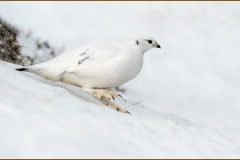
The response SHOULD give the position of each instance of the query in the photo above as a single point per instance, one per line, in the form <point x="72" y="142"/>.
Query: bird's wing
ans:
<point x="93" y="54"/>
<point x="77" y="59"/>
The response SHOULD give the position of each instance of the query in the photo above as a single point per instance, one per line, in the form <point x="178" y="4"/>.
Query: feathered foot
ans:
<point x="100" y="93"/>
<point x="104" y="96"/>
<point x="107" y="102"/>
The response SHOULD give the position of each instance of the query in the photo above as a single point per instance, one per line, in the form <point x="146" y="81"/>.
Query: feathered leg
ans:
<point x="104" y="96"/>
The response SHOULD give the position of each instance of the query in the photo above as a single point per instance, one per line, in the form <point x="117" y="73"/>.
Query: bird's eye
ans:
<point x="149" y="41"/>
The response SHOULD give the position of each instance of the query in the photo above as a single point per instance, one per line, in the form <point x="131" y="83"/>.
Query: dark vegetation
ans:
<point x="11" y="48"/>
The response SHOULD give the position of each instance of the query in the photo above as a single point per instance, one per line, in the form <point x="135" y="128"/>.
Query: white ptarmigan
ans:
<point x="96" y="68"/>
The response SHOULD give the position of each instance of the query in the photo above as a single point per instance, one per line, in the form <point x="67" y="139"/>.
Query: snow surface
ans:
<point x="188" y="92"/>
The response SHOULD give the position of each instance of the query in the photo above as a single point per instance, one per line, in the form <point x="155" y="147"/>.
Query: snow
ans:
<point x="188" y="92"/>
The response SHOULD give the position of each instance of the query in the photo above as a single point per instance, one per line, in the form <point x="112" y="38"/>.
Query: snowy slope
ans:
<point x="39" y="119"/>
<point x="189" y="92"/>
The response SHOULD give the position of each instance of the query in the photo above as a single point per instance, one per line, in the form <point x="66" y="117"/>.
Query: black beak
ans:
<point x="158" y="46"/>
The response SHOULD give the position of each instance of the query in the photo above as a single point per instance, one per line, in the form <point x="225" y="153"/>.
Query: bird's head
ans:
<point x="145" y="42"/>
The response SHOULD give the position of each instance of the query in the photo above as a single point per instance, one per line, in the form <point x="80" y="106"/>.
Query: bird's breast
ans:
<point x="120" y="71"/>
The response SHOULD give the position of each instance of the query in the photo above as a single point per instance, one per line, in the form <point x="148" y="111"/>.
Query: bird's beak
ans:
<point x="156" y="45"/>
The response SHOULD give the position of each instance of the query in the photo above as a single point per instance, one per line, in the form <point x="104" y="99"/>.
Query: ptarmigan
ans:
<point x="97" y="68"/>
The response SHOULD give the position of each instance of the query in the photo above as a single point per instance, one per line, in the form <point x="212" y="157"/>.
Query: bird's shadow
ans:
<point x="73" y="90"/>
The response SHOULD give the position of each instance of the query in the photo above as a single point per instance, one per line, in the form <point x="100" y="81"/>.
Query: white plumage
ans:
<point x="99" y="66"/>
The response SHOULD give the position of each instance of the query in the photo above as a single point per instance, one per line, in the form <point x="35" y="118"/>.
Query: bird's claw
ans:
<point x="128" y="112"/>
<point x="122" y="110"/>
<point x="119" y="95"/>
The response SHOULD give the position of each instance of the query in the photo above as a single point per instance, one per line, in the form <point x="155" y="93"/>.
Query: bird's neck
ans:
<point x="135" y="47"/>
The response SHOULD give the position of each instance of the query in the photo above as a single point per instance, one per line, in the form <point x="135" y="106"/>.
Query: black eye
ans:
<point x="149" y="41"/>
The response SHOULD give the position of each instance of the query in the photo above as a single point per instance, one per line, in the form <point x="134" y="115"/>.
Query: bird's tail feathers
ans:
<point x="32" y="68"/>
<point x="22" y="69"/>
<point x="38" y="70"/>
